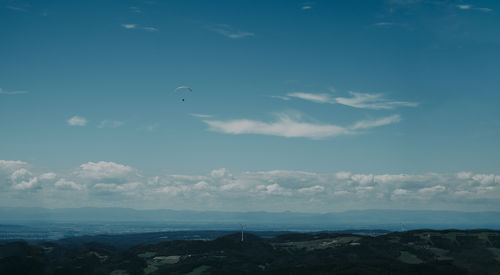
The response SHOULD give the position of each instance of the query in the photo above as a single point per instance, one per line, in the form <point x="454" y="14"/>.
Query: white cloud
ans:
<point x="135" y="9"/>
<point x="3" y="92"/>
<point x="403" y="2"/>
<point x="77" y="121"/>
<point x="400" y="192"/>
<point x="18" y="8"/>
<point x="11" y="164"/>
<point x="137" y="27"/>
<point x="484" y="179"/>
<point x="218" y="173"/>
<point x="464" y="175"/>
<point x="428" y="192"/>
<point x="110" y="124"/>
<point x="68" y="185"/>
<point x="372" y="101"/>
<point x="286" y="98"/>
<point x="129" y="26"/>
<point x="104" y="170"/>
<point x="470" y="7"/>
<point x="149" y="128"/>
<point x="312" y="190"/>
<point x="202" y="185"/>
<point x="343" y="175"/>
<point x="22" y="179"/>
<point x="275" y="190"/>
<point x="383" y="24"/>
<point x="318" y="98"/>
<point x="357" y="100"/>
<point x="366" y="124"/>
<point x="284" y="126"/>
<point x="293" y="127"/>
<point x="306" y="7"/>
<point x="116" y="188"/>
<point x="48" y="176"/>
<point x="230" y="32"/>
<point x="201" y="115"/>
<point x="484" y="9"/>
<point x="150" y="29"/>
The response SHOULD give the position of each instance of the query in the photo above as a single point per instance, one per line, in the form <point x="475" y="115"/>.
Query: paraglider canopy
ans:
<point x="183" y="88"/>
<point x="183" y="91"/>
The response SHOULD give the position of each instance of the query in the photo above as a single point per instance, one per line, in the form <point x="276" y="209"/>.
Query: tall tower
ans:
<point x="242" y="226"/>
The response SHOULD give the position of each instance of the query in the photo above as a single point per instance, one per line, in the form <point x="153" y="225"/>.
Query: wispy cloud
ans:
<point x="3" y="92"/>
<point x="383" y="24"/>
<point x="149" y="128"/>
<point x="150" y="29"/>
<point x="229" y="31"/>
<point x="471" y="7"/>
<point x="318" y="98"/>
<point x="17" y="8"/>
<point x="357" y="100"/>
<point x="403" y="2"/>
<point x="201" y="115"/>
<point x="372" y="101"/>
<point x="110" y="124"/>
<point x="307" y="6"/>
<point x="137" y="27"/>
<point x="129" y="26"/>
<point x="366" y="124"/>
<point x="135" y="9"/>
<point x="294" y="127"/>
<point x="282" y="97"/>
<point x="77" y="121"/>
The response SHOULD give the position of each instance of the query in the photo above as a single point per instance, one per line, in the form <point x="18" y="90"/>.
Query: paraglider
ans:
<point x="183" y="91"/>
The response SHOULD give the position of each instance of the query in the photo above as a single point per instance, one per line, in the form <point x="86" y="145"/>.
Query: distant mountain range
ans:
<point x="380" y="219"/>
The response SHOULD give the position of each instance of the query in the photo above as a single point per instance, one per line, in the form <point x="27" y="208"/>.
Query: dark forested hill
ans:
<point x="411" y="252"/>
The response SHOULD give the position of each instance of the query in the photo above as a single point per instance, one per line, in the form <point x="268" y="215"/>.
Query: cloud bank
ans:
<point x="105" y="183"/>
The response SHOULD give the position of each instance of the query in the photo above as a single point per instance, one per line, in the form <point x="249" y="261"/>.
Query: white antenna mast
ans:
<point x="242" y="227"/>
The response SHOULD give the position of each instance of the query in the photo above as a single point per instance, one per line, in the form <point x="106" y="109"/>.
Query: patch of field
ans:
<point x="320" y="243"/>
<point x="150" y="269"/>
<point x="409" y="258"/>
<point x="496" y="252"/>
<point x="426" y="237"/>
<point x="157" y="261"/>
<point x="452" y="236"/>
<point x="484" y="236"/>
<point x="395" y="239"/>
<point x="119" y="272"/>
<point x="161" y="260"/>
<point x="199" y="270"/>
<point x="349" y="239"/>
<point x="147" y="254"/>
<point x="441" y="254"/>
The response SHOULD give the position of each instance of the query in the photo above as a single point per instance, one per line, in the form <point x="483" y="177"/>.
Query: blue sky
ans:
<point x="396" y="87"/>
